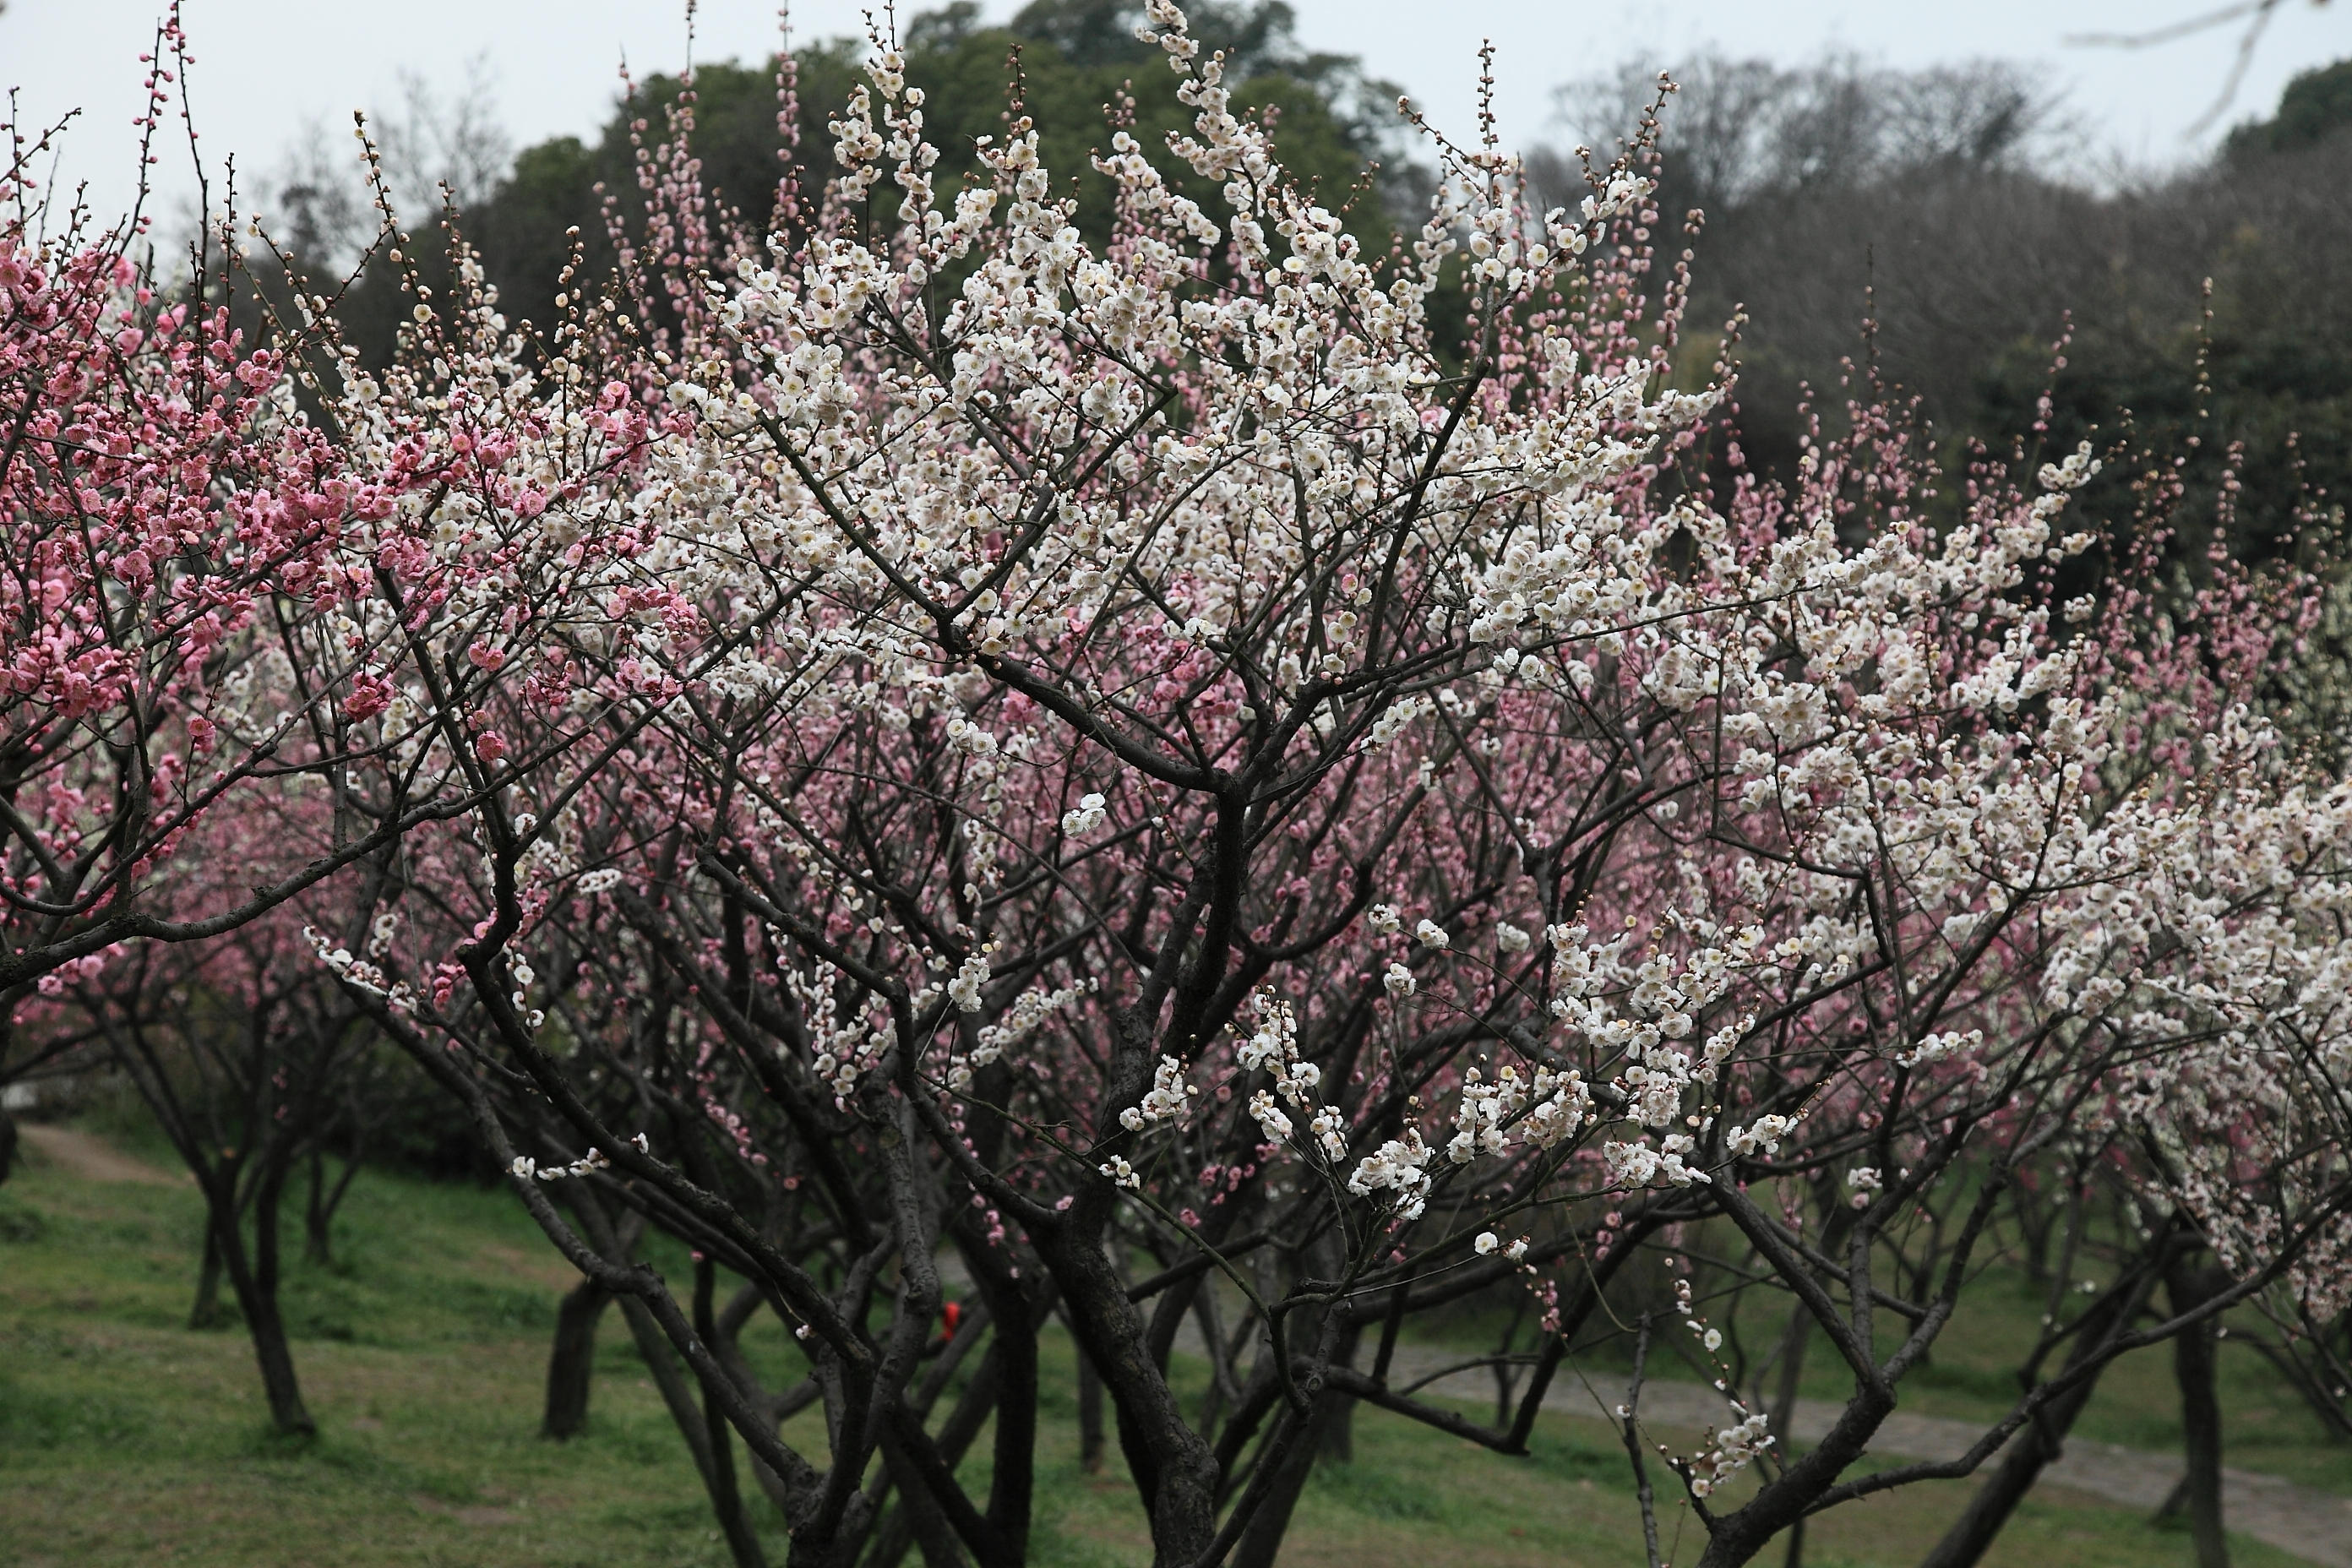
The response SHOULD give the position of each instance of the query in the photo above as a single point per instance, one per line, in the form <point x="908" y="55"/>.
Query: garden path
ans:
<point x="92" y="1158"/>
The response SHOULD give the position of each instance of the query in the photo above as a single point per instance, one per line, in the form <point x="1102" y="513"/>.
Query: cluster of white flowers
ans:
<point x="397" y="994"/>
<point x="1764" y="1133"/>
<point x="1271" y="1122"/>
<point x="1273" y="1048"/>
<point x="1398" y="719"/>
<point x="1485" y="1106"/>
<point x="1089" y="814"/>
<point x="1163" y="1101"/>
<point x="1636" y="1165"/>
<point x="1736" y="1448"/>
<point x="588" y="1164"/>
<point x="1563" y="1106"/>
<point x="970" y="975"/>
<point x="1933" y="1047"/>
<point x="850" y="1052"/>
<point x="1029" y="1012"/>
<point x="1400" y="1166"/>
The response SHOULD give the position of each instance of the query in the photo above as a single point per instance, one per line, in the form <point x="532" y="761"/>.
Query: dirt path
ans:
<point x="2316" y="1526"/>
<point x="92" y="1160"/>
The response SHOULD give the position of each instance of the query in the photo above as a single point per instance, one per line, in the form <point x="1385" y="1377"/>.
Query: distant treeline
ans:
<point x="1949" y="208"/>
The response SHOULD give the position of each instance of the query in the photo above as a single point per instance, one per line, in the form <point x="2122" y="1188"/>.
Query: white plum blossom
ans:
<point x="1398" y="1166"/>
<point x="1165" y="1100"/>
<point x="1088" y="815"/>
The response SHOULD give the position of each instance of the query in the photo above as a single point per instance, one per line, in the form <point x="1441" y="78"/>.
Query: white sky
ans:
<point x="266" y="69"/>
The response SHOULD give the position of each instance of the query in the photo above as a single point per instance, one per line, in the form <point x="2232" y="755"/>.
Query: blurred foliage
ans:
<point x="2315" y="105"/>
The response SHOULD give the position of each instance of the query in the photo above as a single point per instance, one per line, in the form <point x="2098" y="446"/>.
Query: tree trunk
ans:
<point x="1174" y="1470"/>
<point x="257" y="1296"/>
<point x="325" y="1199"/>
<point x="205" y="1313"/>
<point x="897" y="1533"/>
<point x="1793" y="1345"/>
<point x="572" y="1363"/>
<point x="268" y="1191"/>
<point x="917" y="1521"/>
<point x="726" y="1498"/>
<point x="2035" y="1447"/>
<point x="1262" y="1537"/>
<point x="2193" y="1365"/>
<point x="316" y="1243"/>
<point x="1090" y="1421"/>
<point x="1338" y="1442"/>
<point x="7" y="1144"/>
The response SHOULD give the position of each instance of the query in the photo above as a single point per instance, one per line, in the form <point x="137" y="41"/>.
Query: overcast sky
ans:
<point x="267" y="68"/>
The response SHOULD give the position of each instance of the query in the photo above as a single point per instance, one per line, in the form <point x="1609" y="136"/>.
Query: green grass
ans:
<point x="125" y="1438"/>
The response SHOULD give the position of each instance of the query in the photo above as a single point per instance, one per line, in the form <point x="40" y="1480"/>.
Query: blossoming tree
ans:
<point x="1237" y="751"/>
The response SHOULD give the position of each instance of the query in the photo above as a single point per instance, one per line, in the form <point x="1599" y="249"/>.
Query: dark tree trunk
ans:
<point x="618" y="1245"/>
<point x="2036" y="1221"/>
<point x="7" y="1144"/>
<point x="1794" y="1344"/>
<point x="917" y="1521"/>
<point x="205" y="1312"/>
<point x="2193" y="1365"/>
<point x="317" y="1244"/>
<point x="571" y="1361"/>
<point x="1012" y="1321"/>
<point x="955" y="1438"/>
<point x="255" y="1285"/>
<point x="726" y="1497"/>
<point x="2036" y="1446"/>
<point x="1090" y="1415"/>
<point x="571" y="1364"/>
<point x="267" y="1192"/>
<point x="1174" y="1470"/>
<point x="1338" y="1442"/>
<point x="1262" y="1538"/>
<point x="325" y="1198"/>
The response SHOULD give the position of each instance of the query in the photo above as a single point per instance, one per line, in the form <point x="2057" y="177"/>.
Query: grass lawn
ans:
<point x="125" y="1438"/>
